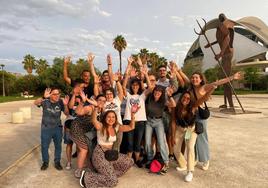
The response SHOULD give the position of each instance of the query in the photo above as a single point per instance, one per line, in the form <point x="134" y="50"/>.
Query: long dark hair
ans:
<point x="105" y="125"/>
<point x="135" y="80"/>
<point x="162" y="98"/>
<point x="179" y="108"/>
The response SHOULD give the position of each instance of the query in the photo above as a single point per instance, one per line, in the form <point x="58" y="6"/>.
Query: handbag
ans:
<point x="199" y="127"/>
<point x="204" y="113"/>
<point x="111" y="155"/>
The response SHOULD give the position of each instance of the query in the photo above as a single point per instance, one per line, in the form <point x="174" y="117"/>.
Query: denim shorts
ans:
<point x="67" y="138"/>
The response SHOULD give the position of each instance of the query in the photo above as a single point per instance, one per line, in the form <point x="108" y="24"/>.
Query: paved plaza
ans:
<point x="238" y="148"/>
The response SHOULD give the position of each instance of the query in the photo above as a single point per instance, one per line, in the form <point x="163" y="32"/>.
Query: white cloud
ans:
<point x="156" y="41"/>
<point x="102" y="12"/>
<point x="177" y="20"/>
<point x="143" y="39"/>
<point x="181" y="44"/>
<point x="34" y="8"/>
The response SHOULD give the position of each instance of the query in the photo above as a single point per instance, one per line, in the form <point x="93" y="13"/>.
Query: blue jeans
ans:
<point x="46" y="136"/>
<point x="134" y="137"/>
<point x="158" y="126"/>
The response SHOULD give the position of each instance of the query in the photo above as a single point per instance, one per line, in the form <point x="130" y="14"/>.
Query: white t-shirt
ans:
<point x="137" y="100"/>
<point x="115" y="106"/>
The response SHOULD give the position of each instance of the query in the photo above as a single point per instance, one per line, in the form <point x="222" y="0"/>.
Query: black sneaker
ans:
<point x="74" y="155"/>
<point x="44" y="166"/>
<point x="139" y="163"/>
<point x="58" y="166"/>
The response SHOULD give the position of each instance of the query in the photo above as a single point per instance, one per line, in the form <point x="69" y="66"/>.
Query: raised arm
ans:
<point x="170" y="100"/>
<point x="204" y="98"/>
<point x="118" y="87"/>
<point x="39" y="101"/>
<point x="83" y="110"/>
<point x="76" y="92"/>
<point x="183" y="75"/>
<point x="210" y="44"/>
<point x="96" y="123"/>
<point x="150" y="88"/>
<point x="110" y="68"/>
<point x="236" y="76"/>
<point x="174" y="70"/>
<point x="131" y="126"/>
<point x="96" y="88"/>
<point x="127" y="72"/>
<point x="65" y="104"/>
<point x="90" y="59"/>
<point x="66" y="78"/>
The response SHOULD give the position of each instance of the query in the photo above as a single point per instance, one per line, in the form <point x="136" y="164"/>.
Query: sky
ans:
<point x="56" y="28"/>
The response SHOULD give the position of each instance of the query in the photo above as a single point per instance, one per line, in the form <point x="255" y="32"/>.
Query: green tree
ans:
<point x="28" y="83"/>
<point x="41" y="66"/>
<point x="29" y="63"/>
<point x="120" y="44"/>
<point x="251" y="76"/>
<point x="211" y="74"/>
<point x="10" y="80"/>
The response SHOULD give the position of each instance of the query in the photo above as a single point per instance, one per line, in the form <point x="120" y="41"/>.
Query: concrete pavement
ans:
<point x="238" y="144"/>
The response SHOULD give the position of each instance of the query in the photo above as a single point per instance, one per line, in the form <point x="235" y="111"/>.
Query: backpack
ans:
<point x="156" y="166"/>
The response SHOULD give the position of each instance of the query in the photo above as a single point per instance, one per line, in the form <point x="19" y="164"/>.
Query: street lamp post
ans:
<point x="3" y="79"/>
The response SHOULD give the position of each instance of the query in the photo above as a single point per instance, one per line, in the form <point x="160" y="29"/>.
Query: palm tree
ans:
<point x="120" y="44"/>
<point x="41" y="66"/>
<point x="29" y="63"/>
<point x="144" y="54"/>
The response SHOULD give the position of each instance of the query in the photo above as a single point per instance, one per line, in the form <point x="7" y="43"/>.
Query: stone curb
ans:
<point x="19" y="160"/>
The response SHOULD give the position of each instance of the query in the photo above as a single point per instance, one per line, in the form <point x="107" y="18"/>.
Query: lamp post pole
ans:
<point x="3" y="79"/>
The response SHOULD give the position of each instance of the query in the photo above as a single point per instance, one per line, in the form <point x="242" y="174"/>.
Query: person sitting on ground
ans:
<point x="51" y="127"/>
<point x="107" y="171"/>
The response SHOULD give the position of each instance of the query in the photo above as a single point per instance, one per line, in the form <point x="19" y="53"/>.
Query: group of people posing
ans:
<point x="116" y="120"/>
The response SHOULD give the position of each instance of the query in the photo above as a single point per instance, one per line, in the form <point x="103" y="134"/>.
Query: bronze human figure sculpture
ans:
<point x="225" y="37"/>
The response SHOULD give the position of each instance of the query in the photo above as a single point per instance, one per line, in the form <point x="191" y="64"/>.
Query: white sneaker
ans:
<point x="205" y="165"/>
<point x="82" y="183"/>
<point x="180" y="169"/>
<point x="77" y="173"/>
<point x="68" y="166"/>
<point x="189" y="177"/>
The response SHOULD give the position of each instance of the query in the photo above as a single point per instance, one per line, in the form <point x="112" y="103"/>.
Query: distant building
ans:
<point x="250" y="46"/>
<point x="16" y="74"/>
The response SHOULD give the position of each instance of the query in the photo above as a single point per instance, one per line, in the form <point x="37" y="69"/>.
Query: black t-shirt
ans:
<point x="89" y="90"/>
<point x="154" y="108"/>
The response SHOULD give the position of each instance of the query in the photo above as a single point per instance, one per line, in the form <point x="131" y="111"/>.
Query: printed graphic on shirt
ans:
<point x="133" y="101"/>
<point x="111" y="106"/>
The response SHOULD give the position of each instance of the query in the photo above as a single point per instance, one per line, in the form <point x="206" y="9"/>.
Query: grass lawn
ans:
<point x="14" y="98"/>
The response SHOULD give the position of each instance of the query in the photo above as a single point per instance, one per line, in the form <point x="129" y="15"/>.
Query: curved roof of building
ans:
<point x="253" y="24"/>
